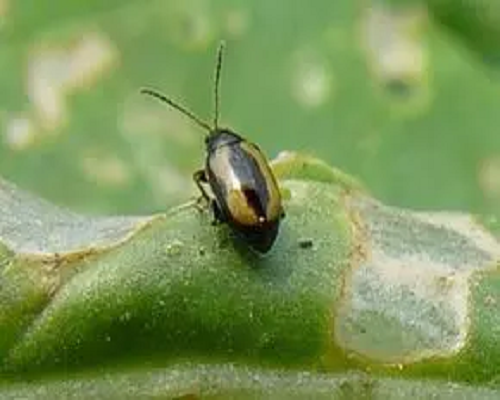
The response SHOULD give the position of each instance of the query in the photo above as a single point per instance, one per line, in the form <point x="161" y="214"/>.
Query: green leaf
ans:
<point x="372" y="87"/>
<point x="153" y="304"/>
<point x="475" y="22"/>
<point x="386" y="303"/>
<point x="236" y="382"/>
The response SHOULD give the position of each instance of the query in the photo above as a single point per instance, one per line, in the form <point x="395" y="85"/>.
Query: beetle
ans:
<point x="245" y="191"/>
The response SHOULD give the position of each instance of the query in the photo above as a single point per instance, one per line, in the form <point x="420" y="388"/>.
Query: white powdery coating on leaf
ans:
<point x="32" y="226"/>
<point x="301" y="191"/>
<point x="467" y="226"/>
<point x="408" y="298"/>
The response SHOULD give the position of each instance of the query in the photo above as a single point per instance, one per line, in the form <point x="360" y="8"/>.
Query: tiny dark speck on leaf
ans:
<point x="306" y="244"/>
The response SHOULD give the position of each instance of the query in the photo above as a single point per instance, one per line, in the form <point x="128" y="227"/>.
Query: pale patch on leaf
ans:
<point x="191" y="381"/>
<point x="150" y="130"/>
<point x="31" y="226"/>
<point x="489" y="177"/>
<point x="107" y="169"/>
<point x="190" y="23"/>
<point x="151" y="124"/>
<point x="20" y="132"/>
<point x="45" y="71"/>
<point x="167" y="181"/>
<point x="412" y="280"/>
<point x="4" y="10"/>
<point x="237" y="22"/>
<point x="311" y="81"/>
<point x="89" y="59"/>
<point x="392" y="39"/>
<point x="55" y="71"/>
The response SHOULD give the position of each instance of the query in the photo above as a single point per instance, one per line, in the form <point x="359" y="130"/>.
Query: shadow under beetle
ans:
<point x="246" y="193"/>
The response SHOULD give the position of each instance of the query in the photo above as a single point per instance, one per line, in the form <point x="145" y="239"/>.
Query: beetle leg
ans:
<point x="218" y="216"/>
<point x="200" y="204"/>
<point x="199" y="178"/>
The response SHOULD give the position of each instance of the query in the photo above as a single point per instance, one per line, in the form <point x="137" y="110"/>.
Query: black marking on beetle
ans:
<point x="253" y="199"/>
<point x="249" y="165"/>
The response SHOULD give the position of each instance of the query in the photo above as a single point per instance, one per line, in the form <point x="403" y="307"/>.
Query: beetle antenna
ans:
<point x="178" y="107"/>
<point x="218" y="68"/>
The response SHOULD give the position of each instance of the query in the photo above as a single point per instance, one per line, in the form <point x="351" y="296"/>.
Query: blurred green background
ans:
<point x="402" y="94"/>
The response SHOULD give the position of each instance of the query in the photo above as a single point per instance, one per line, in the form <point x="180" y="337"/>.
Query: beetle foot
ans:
<point x="217" y="213"/>
<point x="201" y="204"/>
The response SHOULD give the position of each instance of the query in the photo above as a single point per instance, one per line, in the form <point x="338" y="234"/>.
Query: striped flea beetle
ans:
<point x="246" y="195"/>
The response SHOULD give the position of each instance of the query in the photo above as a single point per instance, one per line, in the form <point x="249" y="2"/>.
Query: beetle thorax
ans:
<point x="221" y="137"/>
